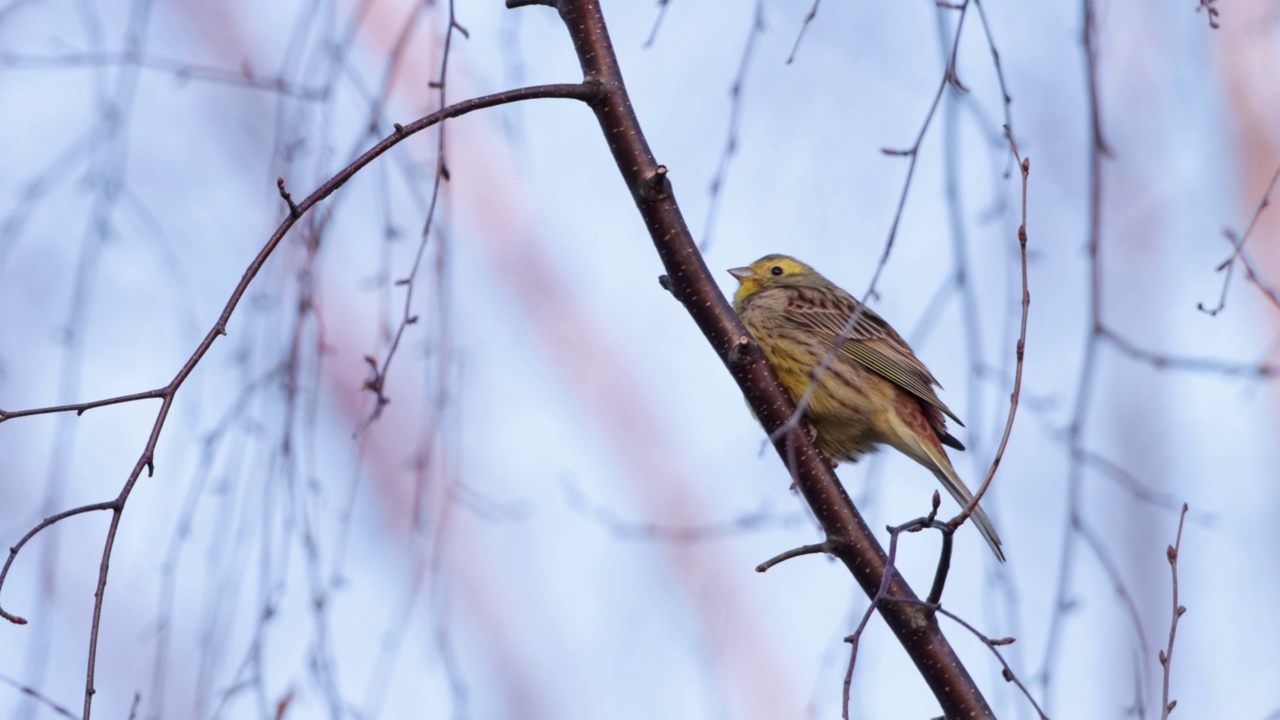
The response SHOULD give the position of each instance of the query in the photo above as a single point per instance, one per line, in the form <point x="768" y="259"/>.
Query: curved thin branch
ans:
<point x="1024" y="165"/>
<point x="587" y="92"/>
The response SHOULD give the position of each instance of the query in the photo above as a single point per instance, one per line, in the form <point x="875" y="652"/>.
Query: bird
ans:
<point x="874" y="391"/>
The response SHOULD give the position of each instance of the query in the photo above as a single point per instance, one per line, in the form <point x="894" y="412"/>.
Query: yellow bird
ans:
<point x="873" y="392"/>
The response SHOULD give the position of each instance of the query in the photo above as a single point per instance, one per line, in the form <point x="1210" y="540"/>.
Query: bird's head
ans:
<point x="768" y="271"/>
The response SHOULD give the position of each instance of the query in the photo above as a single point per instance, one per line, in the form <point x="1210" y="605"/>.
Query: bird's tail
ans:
<point x="932" y="456"/>
<point x="947" y="476"/>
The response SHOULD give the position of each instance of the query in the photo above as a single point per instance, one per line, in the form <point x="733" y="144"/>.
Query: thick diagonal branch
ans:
<point x="691" y="282"/>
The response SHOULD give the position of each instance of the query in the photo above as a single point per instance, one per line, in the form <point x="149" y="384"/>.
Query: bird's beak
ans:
<point x="742" y="273"/>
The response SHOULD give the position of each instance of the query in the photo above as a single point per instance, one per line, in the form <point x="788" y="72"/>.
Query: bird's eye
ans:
<point x="777" y="270"/>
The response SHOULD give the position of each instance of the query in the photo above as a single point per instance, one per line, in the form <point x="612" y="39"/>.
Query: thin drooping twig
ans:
<point x="692" y="284"/>
<point x="577" y="91"/>
<point x="1228" y="266"/>
<point x="376" y="384"/>
<point x="1166" y="655"/>
<point x="1024" y="165"/>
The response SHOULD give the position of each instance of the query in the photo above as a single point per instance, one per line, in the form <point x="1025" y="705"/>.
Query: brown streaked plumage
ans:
<point x="874" y="391"/>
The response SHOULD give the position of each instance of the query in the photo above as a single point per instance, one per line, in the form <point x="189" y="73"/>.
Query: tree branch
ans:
<point x="1166" y="655"/>
<point x="691" y="282"/>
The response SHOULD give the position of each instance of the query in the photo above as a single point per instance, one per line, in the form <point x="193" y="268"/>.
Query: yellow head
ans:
<point x="767" y="271"/>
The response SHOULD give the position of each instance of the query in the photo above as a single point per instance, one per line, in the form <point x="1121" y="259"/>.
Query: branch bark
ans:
<point x="691" y="282"/>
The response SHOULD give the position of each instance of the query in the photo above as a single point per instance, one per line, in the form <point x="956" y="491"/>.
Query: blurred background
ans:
<point x="559" y="512"/>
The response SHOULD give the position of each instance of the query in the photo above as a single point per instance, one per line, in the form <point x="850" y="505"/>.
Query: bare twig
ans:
<point x="39" y="697"/>
<point x="181" y="70"/>
<point x="1165" y="361"/>
<point x="1228" y="266"/>
<point x="657" y="23"/>
<point x="814" y="549"/>
<point x="882" y="593"/>
<point x="808" y="18"/>
<point x="1024" y="165"/>
<point x="1212" y="11"/>
<point x="993" y="644"/>
<point x="626" y="530"/>
<point x="376" y="384"/>
<point x="933" y="604"/>
<point x="1166" y="655"/>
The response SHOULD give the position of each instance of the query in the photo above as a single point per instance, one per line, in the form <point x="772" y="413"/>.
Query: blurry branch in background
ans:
<point x="735" y="116"/>
<point x="657" y="22"/>
<point x="1101" y="335"/>
<point x="180" y="70"/>
<point x="39" y="697"/>
<point x="804" y="25"/>
<point x="622" y="529"/>
<point x="1207" y="5"/>
<point x="1237" y="253"/>
<point x="1137" y="488"/>
<point x="166" y="394"/>
<point x="1088" y="366"/>
<point x="690" y="281"/>
<point x="1166" y="655"/>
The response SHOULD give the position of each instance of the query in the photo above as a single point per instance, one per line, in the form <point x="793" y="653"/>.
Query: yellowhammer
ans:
<point x="874" y="391"/>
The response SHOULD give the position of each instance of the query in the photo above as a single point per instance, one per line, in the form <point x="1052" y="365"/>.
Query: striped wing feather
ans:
<point x="871" y="342"/>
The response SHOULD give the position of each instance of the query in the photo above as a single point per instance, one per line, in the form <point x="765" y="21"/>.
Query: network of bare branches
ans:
<point x="288" y="549"/>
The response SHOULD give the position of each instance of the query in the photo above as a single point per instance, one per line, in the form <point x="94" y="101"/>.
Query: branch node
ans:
<point x="743" y="351"/>
<point x="293" y="207"/>
<point x="656" y="186"/>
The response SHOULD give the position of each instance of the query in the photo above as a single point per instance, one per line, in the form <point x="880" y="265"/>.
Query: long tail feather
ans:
<point x="946" y="474"/>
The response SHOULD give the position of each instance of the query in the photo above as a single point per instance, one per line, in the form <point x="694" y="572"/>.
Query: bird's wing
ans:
<point x="871" y="342"/>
